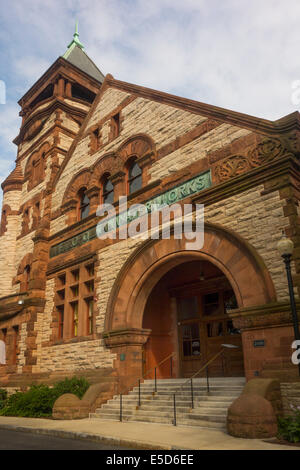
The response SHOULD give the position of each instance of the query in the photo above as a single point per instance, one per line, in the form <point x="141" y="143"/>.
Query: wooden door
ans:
<point x="189" y="334"/>
<point x="219" y="330"/>
<point x="203" y="327"/>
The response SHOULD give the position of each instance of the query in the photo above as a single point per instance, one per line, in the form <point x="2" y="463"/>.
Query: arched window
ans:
<point x="84" y="204"/>
<point x="107" y="190"/>
<point x="134" y="176"/>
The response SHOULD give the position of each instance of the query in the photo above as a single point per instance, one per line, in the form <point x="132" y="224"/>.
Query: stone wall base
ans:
<point x="290" y="393"/>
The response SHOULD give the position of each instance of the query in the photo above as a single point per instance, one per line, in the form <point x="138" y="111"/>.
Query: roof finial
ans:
<point x="75" y="40"/>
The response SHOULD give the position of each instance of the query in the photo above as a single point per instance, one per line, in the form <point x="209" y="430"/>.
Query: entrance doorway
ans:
<point x="187" y="312"/>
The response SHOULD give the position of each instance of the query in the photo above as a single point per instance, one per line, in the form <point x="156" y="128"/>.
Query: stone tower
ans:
<point x="52" y="112"/>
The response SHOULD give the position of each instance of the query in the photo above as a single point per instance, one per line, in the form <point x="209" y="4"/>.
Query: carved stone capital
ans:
<point x="146" y="160"/>
<point x="126" y="337"/>
<point x="117" y="177"/>
<point x="69" y="205"/>
<point x="263" y="316"/>
<point x="92" y="192"/>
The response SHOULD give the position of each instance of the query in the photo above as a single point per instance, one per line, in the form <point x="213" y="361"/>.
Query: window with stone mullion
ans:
<point x="134" y="177"/>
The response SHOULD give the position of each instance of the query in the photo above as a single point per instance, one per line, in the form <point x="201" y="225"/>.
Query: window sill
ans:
<point x="78" y="339"/>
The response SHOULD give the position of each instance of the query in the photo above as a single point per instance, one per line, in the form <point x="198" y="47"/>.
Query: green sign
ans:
<point x="174" y="195"/>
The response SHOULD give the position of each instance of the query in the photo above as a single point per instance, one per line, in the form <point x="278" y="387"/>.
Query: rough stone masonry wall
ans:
<point x="8" y="244"/>
<point x="24" y="146"/>
<point x="69" y="357"/>
<point x="196" y="150"/>
<point x="161" y="122"/>
<point x="22" y="347"/>
<point x="290" y="393"/>
<point x="90" y="354"/>
<point x="259" y="219"/>
<point x="111" y="260"/>
<point x="7" y="256"/>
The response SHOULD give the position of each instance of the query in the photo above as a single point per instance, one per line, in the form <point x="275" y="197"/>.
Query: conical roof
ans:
<point x="76" y="56"/>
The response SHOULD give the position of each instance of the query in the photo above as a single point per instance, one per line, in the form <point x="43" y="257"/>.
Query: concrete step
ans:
<point x="210" y="408"/>
<point x="151" y="388"/>
<point x="209" y="417"/>
<point x="217" y="380"/>
<point x="158" y="405"/>
<point x="180" y="421"/>
<point x="186" y="395"/>
<point x="183" y="420"/>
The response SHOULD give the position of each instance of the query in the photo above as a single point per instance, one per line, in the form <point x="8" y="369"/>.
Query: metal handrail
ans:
<point x="138" y="382"/>
<point x="148" y="372"/>
<point x="190" y="379"/>
<point x="203" y="367"/>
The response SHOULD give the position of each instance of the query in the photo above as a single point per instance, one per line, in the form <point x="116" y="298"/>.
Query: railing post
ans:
<point x="139" y="392"/>
<point x="223" y="363"/>
<point x="174" y="403"/>
<point x="207" y="379"/>
<point x="192" y="393"/>
<point x="121" y="407"/>
<point x="155" y="384"/>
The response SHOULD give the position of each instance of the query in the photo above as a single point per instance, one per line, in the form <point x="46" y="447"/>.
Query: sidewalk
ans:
<point x="138" y="435"/>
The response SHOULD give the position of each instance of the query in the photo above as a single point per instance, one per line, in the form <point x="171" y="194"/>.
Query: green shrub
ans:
<point x="289" y="427"/>
<point x="75" y="385"/>
<point x="38" y="401"/>
<point x="3" y="394"/>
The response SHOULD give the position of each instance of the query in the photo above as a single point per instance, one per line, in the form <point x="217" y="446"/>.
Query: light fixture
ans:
<point x="285" y="247"/>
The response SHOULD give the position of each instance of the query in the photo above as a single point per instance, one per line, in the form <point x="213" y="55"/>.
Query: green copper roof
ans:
<point x="76" y="56"/>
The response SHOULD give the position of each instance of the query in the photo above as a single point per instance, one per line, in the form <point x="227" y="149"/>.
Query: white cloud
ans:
<point x="236" y="54"/>
<point x="9" y="124"/>
<point x="30" y="68"/>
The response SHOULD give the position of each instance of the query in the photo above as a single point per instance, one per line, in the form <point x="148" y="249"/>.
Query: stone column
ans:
<point x="94" y="196"/>
<point x="118" y="181"/>
<point x="128" y="345"/>
<point x="145" y="163"/>
<point x="70" y="208"/>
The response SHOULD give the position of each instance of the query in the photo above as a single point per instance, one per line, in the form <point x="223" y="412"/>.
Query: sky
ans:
<point x="238" y="54"/>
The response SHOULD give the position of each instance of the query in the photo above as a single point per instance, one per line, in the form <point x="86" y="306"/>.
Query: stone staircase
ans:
<point x="210" y="408"/>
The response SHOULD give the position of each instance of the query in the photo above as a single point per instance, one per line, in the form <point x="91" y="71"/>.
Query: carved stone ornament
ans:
<point x="266" y="151"/>
<point x="232" y="166"/>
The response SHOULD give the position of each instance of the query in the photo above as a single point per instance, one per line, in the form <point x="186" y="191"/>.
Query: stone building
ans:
<point x="112" y="309"/>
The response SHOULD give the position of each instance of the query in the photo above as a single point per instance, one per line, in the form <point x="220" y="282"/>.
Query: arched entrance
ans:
<point x="188" y="314"/>
<point x="236" y="259"/>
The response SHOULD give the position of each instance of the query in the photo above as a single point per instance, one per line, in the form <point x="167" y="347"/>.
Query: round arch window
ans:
<point x="107" y="190"/>
<point x="84" y="204"/>
<point x="134" y="176"/>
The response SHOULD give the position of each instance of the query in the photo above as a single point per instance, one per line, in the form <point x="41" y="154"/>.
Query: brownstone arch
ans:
<point x="236" y="258"/>
<point x="133" y="321"/>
